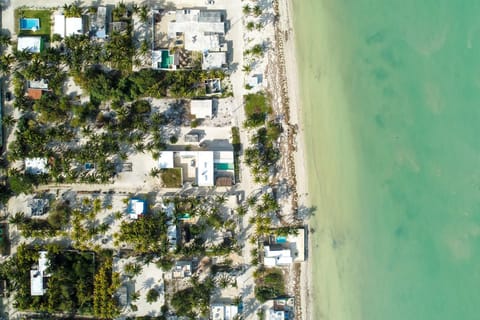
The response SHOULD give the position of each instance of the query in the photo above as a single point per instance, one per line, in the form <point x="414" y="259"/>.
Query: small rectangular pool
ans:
<point x="281" y="239"/>
<point x="29" y="24"/>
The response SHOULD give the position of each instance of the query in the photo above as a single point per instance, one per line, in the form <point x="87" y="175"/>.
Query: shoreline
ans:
<point x="290" y="83"/>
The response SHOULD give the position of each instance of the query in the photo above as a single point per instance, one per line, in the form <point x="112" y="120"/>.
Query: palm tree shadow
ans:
<point x="147" y="284"/>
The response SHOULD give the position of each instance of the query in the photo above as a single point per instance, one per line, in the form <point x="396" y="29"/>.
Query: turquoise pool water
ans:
<point x="29" y="23"/>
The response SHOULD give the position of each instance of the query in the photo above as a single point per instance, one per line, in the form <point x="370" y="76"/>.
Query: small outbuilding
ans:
<point x="30" y="44"/>
<point x="136" y="208"/>
<point x="201" y="109"/>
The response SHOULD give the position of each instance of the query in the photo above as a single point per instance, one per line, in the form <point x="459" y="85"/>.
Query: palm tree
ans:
<point x="8" y="121"/>
<point x="250" y="25"/>
<point x="247" y="68"/>
<point x="223" y="280"/>
<point x="17" y="219"/>
<point x="257" y="10"/>
<point x="4" y="40"/>
<point x="246" y="9"/>
<point x="144" y="14"/>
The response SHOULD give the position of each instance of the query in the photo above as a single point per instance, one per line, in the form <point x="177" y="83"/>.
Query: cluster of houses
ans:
<point x="174" y="34"/>
<point x="193" y="30"/>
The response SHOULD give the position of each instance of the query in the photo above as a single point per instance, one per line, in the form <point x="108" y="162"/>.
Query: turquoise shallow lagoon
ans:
<point x="391" y="104"/>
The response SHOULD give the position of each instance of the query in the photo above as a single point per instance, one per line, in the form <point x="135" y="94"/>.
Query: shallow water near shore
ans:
<point x="390" y="95"/>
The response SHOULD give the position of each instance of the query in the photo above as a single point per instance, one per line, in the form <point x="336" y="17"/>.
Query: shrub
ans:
<point x="256" y="109"/>
<point x="152" y="295"/>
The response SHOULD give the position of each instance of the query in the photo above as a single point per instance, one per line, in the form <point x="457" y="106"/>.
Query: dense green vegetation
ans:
<point x="70" y="284"/>
<point x="106" y="284"/>
<point x="264" y="152"/>
<point x="269" y="284"/>
<point x="53" y="126"/>
<point x="193" y="300"/>
<point x="257" y="108"/>
<point x="147" y="234"/>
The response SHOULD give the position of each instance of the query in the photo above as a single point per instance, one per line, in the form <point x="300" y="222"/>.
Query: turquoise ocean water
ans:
<point x="391" y="101"/>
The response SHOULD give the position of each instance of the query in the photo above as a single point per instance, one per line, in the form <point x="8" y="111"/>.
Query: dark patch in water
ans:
<point x="389" y="57"/>
<point x="379" y="121"/>
<point x="400" y="232"/>
<point x="377" y="37"/>
<point x="380" y="74"/>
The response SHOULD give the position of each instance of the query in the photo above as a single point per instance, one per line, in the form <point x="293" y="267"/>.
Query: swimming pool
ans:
<point x="29" y="23"/>
<point x="281" y="239"/>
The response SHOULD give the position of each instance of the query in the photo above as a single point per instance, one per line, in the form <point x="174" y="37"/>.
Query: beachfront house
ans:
<point x="202" y="168"/>
<point x="281" y="309"/>
<point x="201" y="31"/>
<point x="284" y="250"/>
<point x="136" y="208"/>
<point x="39" y="275"/>
<point x="31" y="44"/>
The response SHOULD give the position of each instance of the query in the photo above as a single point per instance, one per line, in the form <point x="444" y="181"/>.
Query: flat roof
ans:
<point x="205" y="169"/>
<point x="297" y="245"/>
<point x="214" y="60"/>
<point x="223" y="156"/>
<point x="73" y="25"/>
<point x="36" y="165"/>
<point x="38" y="84"/>
<point x="59" y="25"/>
<point x="165" y="160"/>
<point x="201" y="28"/>
<point x="275" y="315"/>
<point x="36" y="283"/>
<point x="31" y="44"/>
<point x="43" y="262"/>
<point x="223" y="311"/>
<point x="201" y="109"/>
<point x="136" y="207"/>
<point x="37" y="275"/>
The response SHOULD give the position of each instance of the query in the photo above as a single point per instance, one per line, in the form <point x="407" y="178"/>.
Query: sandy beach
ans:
<point x="291" y="82"/>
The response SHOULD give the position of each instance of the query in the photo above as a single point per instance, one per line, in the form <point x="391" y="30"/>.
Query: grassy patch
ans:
<point x="45" y="22"/>
<point x="256" y="109"/>
<point x="171" y="178"/>
<point x="269" y="284"/>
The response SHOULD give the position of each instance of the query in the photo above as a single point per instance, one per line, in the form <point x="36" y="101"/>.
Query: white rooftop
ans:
<point x="137" y="208"/>
<point x="223" y="157"/>
<point x="31" y="44"/>
<point x="223" y="312"/>
<point x="166" y="160"/>
<point x="37" y="275"/>
<point x="172" y="236"/>
<point x="36" y="165"/>
<point x="201" y="29"/>
<point x="59" y="25"/>
<point x="275" y="315"/>
<point x="281" y="257"/>
<point x="205" y="169"/>
<point x="213" y="60"/>
<point x="38" y="84"/>
<point x="201" y="109"/>
<point x="73" y="25"/>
